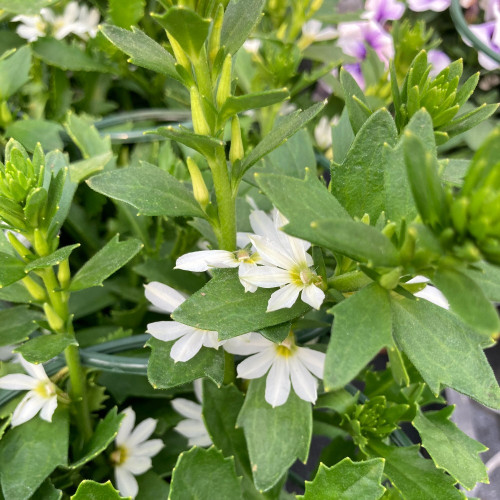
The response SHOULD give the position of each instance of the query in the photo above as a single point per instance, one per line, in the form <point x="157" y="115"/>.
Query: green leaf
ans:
<point x="152" y="487"/>
<point x="44" y="347"/>
<point x="31" y="132"/>
<point x="467" y="300"/>
<point x="444" y="350"/>
<point x="280" y="134"/>
<point x="469" y="120"/>
<point x="67" y="57"/>
<point x="198" y="470"/>
<point x="238" y="104"/>
<point x="105" y="432"/>
<point x="358" y="183"/>
<point x="450" y="448"/>
<point x="149" y="189"/>
<point x="188" y="28"/>
<point x="487" y="276"/>
<point x="11" y="269"/>
<point x="90" y="490"/>
<point x="347" y="480"/>
<point x="223" y="306"/>
<point x="275" y="437"/>
<point x="30" y="452"/>
<point x="164" y="372"/>
<point x="240" y="18"/>
<point x="26" y="7"/>
<point x="355" y="101"/>
<point x="413" y="476"/>
<point x="143" y="51"/>
<point x="125" y="13"/>
<point x="14" y="70"/>
<point x="342" y="137"/>
<point x="53" y="259"/>
<point x="47" y="491"/>
<point x="83" y="133"/>
<point x="362" y="327"/>
<point x="105" y="262"/>
<point x="80" y="170"/>
<point x="16" y="323"/>
<point x="16" y="293"/>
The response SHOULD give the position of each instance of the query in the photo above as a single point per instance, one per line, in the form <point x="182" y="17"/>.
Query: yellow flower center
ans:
<point x="287" y="347"/>
<point x="245" y="257"/>
<point x="303" y="276"/>
<point x="46" y="389"/>
<point x="119" y="456"/>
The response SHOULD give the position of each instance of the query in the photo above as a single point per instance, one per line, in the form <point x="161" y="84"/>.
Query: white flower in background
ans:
<point x="313" y="32"/>
<point x="189" y="339"/>
<point x="430" y="293"/>
<point x="287" y="108"/>
<point x="287" y="364"/>
<point x="41" y="396"/>
<point x="323" y="132"/>
<point x="193" y="426"/>
<point x="80" y="21"/>
<point x="287" y="264"/>
<point x="132" y="456"/>
<point x="252" y="45"/>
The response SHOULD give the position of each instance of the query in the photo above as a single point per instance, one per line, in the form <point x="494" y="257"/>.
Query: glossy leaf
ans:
<point x="53" y="259"/>
<point x="16" y="323"/>
<point x="275" y="437"/>
<point x="44" y="347"/>
<point x="14" y="71"/>
<point x="149" y="189"/>
<point x="223" y="306"/>
<point x="362" y="327"/>
<point x="347" y="480"/>
<point x="198" y="471"/>
<point x="164" y="372"/>
<point x="105" y="262"/>
<point x="90" y="490"/>
<point x="450" y="448"/>
<point x="11" y="269"/>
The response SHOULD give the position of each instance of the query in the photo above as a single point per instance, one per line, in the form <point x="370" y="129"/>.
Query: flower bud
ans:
<point x="224" y="89"/>
<point x="459" y="209"/>
<point x="200" y="190"/>
<point x="41" y="246"/>
<point x="390" y="280"/>
<point x="64" y="273"/>
<point x="214" y="40"/>
<point x="179" y="53"/>
<point x="34" y="289"/>
<point x="18" y="246"/>
<point x="200" y="124"/>
<point x="236" y="152"/>
<point x="55" y="321"/>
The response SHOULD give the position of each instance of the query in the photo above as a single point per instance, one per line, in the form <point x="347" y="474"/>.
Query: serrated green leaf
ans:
<point x="125" y="13"/>
<point x="275" y="437"/>
<point x="11" y="269"/>
<point x="149" y="189"/>
<point x="347" y="480"/>
<point x="80" y="170"/>
<point x="240" y="18"/>
<point x="450" y="448"/>
<point x="53" y="259"/>
<point x="30" y="452"/>
<point x="83" y="133"/>
<point x="358" y="183"/>
<point x="47" y="491"/>
<point x="444" y="350"/>
<point x="105" y="432"/>
<point x="105" y="262"/>
<point x="223" y="306"/>
<point x="280" y="134"/>
<point x="467" y="300"/>
<point x="164" y="372"/>
<point x="357" y="114"/>
<point x="44" y="347"/>
<point x="90" y="490"/>
<point x="362" y="327"/>
<point x="16" y="323"/>
<point x="143" y="51"/>
<point x="14" y="71"/>
<point x="413" y="476"/>
<point x="198" y="470"/>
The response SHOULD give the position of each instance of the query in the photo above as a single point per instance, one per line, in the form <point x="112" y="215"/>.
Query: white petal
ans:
<point x="48" y="409"/>
<point x="304" y="384"/>
<point x="262" y="224"/>
<point x="149" y="448"/>
<point x="210" y="339"/>
<point x="126" y="426"/>
<point x="163" y="296"/>
<point x="18" y="382"/>
<point x="198" y="389"/>
<point x="187" y="408"/>
<point x="249" y="343"/>
<point x="141" y="432"/>
<point x="418" y="279"/>
<point x="36" y="371"/>
<point x="191" y="428"/>
<point x="284" y="297"/>
<point x="432" y="294"/>
<point x="313" y="360"/>
<point x="168" y="330"/>
<point x="138" y="465"/>
<point x="202" y="260"/>
<point x="278" y="382"/>
<point x="203" y="440"/>
<point x="326" y="34"/>
<point x="28" y="33"/>
<point x="242" y="239"/>
<point x="257" y="365"/>
<point x="126" y="482"/>
<point x="272" y="252"/>
<point x="265" y="276"/>
<point x="29" y="406"/>
<point x="245" y="269"/>
<point x="187" y="347"/>
<point x="313" y="296"/>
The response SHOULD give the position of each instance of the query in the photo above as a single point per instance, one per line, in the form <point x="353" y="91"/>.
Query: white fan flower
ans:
<point x="430" y="292"/>
<point x="193" y="426"/>
<point x="41" y="396"/>
<point x="189" y="339"/>
<point x="286" y="264"/>
<point x="31" y="27"/>
<point x="132" y="456"/>
<point x="252" y="46"/>
<point x="313" y="32"/>
<point x="286" y="362"/>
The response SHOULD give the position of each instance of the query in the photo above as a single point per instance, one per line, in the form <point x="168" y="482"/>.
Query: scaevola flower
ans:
<point x="382" y="11"/>
<point x="423" y="5"/>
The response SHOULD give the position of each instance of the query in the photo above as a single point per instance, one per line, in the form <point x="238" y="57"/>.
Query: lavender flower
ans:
<point x="423" y="5"/>
<point x="439" y="60"/>
<point x="382" y="11"/>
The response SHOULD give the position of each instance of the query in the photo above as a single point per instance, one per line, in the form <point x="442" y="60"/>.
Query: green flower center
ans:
<point x="119" y="456"/>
